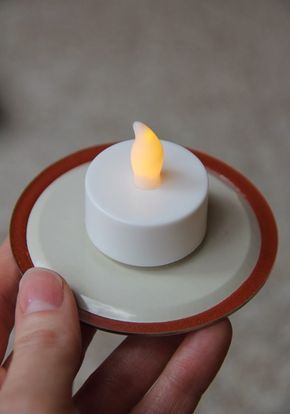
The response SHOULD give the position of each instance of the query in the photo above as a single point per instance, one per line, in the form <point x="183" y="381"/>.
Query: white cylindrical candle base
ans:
<point x="146" y="227"/>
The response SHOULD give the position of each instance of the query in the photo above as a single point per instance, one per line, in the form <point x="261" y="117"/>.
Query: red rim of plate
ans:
<point x="257" y="278"/>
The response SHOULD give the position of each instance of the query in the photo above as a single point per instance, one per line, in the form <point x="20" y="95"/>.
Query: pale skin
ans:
<point x="143" y="375"/>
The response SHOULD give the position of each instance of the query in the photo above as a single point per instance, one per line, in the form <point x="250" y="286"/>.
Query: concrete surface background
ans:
<point x="214" y="75"/>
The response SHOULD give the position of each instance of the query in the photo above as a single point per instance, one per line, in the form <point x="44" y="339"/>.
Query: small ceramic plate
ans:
<point x="232" y="264"/>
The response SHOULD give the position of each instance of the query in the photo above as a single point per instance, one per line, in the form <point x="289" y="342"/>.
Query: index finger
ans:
<point x="9" y="280"/>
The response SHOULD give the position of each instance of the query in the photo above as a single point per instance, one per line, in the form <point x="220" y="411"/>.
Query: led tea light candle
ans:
<point x="146" y="200"/>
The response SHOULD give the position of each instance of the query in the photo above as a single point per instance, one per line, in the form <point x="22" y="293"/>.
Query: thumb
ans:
<point x="47" y="346"/>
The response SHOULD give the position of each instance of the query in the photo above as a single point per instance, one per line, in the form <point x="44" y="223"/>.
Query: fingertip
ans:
<point x="5" y="247"/>
<point x="7" y="261"/>
<point x="40" y="290"/>
<point x="226" y="333"/>
<point x="228" y="329"/>
<point x="223" y="330"/>
<point x="5" y="242"/>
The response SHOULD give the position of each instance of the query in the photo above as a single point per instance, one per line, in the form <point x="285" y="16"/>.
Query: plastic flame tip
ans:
<point x="146" y="157"/>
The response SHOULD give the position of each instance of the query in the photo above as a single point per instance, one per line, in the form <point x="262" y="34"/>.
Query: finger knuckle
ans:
<point x="43" y="337"/>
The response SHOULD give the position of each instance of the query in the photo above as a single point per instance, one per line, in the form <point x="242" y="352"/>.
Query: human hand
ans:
<point x="156" y="375"/>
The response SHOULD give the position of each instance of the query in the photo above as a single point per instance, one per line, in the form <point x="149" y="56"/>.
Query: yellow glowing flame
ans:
<point x="146" y="157"/>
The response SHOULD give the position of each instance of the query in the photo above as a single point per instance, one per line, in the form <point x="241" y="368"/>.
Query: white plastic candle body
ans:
<point x="146" y="227"/>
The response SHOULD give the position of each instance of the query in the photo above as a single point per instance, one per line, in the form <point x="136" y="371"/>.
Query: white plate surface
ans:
<point x="57" y="239"/>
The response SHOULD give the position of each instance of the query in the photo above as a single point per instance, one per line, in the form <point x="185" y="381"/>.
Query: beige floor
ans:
<point x="214" y="75"/>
